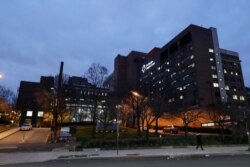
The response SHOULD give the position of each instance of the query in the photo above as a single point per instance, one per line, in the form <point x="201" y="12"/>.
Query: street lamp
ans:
<point x="118" y="108"/>
<point x="135" y="93"/>
<point x="1" y="75"/>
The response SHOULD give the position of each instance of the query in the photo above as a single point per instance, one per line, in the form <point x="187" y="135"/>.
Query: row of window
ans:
<point x="30" y="113"/>
<point x="89" y="93"/>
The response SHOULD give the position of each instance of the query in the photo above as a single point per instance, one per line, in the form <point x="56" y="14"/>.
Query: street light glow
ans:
<point x="135" y="93"/>
<point x="1" y="75"/>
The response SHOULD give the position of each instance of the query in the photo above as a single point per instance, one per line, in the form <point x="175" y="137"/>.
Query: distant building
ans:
<point x="78" y="93"/>
<point x="192" y="70"/>
<point x="127" y="71"/>
<point x="81" y="96"/>
<point x="31" y="111"/>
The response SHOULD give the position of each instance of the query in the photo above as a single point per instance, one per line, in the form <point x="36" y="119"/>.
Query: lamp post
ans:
<point x="138" y="101"/>
<point x="118" y="108"/>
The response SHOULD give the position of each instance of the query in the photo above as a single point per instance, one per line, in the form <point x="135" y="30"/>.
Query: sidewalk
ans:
<point x="8" y="132"/>
<point x="167" y="152"/>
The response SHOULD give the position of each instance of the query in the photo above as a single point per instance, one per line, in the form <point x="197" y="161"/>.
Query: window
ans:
<point x="214" y="76"/>
<point x="213" y="67"/>
<point x="181" y="97"/>
<point x="211" y="59"/>
<point x="29" y="113"/>
<point x="226" y="87"/>
<point x="242" y="98"/>
<point x="235" y="97"/>
<point x="210" y="50"/>
<point x="40" y="114"/>
<point x="192" y="57"/>
<point x="216" y="85"/>
<point x="225" y="71"/>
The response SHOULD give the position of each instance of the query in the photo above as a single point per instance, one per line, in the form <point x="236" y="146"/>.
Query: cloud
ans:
<point x="36" y="35"/>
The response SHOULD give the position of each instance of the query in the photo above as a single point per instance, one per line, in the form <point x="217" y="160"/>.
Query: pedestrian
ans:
<point x="199" y="141"/>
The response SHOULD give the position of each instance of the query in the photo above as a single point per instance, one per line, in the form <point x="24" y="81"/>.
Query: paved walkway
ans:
<point x="167" y="152"/>
<point x="8" y="132"/>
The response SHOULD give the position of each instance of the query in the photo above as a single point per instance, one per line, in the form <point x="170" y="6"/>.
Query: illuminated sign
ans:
<point x="147" y="66"/>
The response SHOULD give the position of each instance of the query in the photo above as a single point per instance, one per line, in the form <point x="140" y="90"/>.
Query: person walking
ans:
<point x="199" y="141"/>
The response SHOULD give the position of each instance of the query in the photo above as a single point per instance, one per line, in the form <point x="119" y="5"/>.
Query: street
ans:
<point x="32" y="140"/>
<point x="226" y="161"/>
<point x="34" y="136"/>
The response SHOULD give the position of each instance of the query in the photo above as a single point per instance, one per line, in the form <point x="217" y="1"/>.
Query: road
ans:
<point x="232" y="161"/>
<point x="34" y="136"/>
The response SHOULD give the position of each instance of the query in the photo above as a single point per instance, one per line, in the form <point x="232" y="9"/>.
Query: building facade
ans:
<point x="192" y="70"/>
<point x="127" y="71"/>
<point x="80" y="97"/>
<point x="27" y="103"/>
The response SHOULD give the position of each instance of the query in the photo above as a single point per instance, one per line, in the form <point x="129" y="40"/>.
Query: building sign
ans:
<point x="147" y="66"/>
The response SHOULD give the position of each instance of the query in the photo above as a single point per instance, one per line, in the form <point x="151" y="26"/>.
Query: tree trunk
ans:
<point x="186" y="130"/>
<point x="138" y="124"/>
<point x="156" y="125"/>
<point x="147" y="132"/>
<point x="94" y="125"/>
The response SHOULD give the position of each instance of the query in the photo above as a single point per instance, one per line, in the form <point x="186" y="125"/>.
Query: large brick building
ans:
<point x="190" y="70"/>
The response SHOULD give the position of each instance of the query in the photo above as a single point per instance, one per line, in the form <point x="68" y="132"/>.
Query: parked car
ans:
<point x="171" y="129"/>
<point x="26" y="126"/>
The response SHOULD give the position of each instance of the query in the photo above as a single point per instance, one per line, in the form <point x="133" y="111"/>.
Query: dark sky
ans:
<point x="36" y="35"/>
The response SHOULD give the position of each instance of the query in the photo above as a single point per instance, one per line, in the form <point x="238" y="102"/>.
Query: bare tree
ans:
<point x="96" y="75"/>
<point x="7" y="104"/>
<point x="219" y="114"/>
<point x="188" y="116"/>
<point x="8" y="95"/>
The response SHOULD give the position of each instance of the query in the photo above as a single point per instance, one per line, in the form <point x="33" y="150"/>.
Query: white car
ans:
<point x="26" y="126"/>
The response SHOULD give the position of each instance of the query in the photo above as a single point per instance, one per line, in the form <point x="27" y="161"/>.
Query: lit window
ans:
<point x="235" y="97"/>
<point x="214" y="76"/>
<point x="242" y="98"/>
<point x="181" y="97"/>
<point x="211" y="59"/>
<point x="225" y="71"/>
<point x="167" y="63"/>
<point x="226" y="87"/>
<point x="210" y="50"/>
<point x="159" y="68"/>
<point x="216" y="85"/>
<point x="40" y="114"/>
<point x="192" y="57"/>
<point x="232" y="73"/>
<point x="213" y="67"/>
<point x="235" y="89"/>
<point x="236" y="74"/>
<point x="29" y="113"/>
<point x="192" y="65"/>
